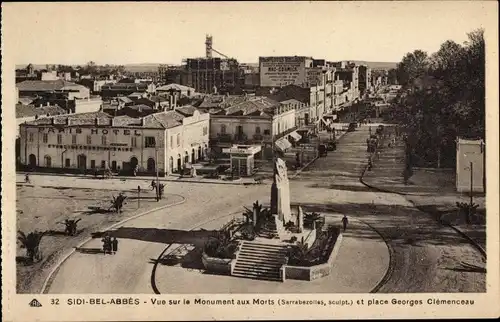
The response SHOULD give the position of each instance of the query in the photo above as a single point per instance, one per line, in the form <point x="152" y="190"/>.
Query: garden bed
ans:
<point x="320" y="250"/>
<point x="319" y="259"/>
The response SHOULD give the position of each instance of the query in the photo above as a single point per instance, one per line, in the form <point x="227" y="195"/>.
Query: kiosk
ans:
<point x="242" y="158"/>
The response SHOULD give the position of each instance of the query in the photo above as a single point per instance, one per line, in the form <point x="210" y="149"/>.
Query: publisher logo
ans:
<point x="35" y="303"/>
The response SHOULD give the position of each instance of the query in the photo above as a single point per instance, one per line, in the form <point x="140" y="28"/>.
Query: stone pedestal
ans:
<point x="300" y="220"/>
<point x="280" y="192"/>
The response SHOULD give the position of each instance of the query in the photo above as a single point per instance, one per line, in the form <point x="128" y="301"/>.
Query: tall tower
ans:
<point x="208" y="46"/>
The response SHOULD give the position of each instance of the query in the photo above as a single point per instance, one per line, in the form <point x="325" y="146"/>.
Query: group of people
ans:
<point x="110" y="245"/>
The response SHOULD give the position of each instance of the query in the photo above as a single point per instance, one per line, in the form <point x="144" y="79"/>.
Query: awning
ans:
<point x="283" y="144"/>
<point x="326" y="122"/>
<point x="296" y="136"/>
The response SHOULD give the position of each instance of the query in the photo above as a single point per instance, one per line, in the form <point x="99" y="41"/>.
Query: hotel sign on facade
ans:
<point x="76" y="130"/>
<point x="281" y="71"/>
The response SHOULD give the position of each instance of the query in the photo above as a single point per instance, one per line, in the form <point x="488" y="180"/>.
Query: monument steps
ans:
<point x="260" y="245"/>
<point x="257" y="263"/>
<point x="258" y="277"/>
<point x="252" y="258"/>
<point x="268" y="230"/>
<point x="265" y="251"/>
<point x="260" y="261"/>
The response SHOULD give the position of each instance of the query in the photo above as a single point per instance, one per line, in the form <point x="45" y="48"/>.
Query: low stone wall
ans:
<point x="217" y="265"/>
<point x="314" y="272"/>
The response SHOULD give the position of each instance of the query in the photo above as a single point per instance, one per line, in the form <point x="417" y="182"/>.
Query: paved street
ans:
<point x="425" y="256"/>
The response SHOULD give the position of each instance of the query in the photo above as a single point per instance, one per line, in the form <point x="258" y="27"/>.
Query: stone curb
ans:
<point x="142" y="178"/>
<point x="155" y="266"/>
<point x="472" y="241"/>
<point x="49" y="278"/>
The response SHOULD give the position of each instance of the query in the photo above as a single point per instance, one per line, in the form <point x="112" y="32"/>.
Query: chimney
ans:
<point x="96" y="121"/>
<point x="47" y="104"/>
<point x="175" y="102"/>
<point x="142" y="121"/>
<point x="68" y="121"/>
<point x="53" y="121"/>
<point x="171" y="101"/>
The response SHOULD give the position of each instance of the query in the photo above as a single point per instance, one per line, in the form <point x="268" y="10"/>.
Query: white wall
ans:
<point x="467" y="152"/>
<point x="88" y="105"/>
<point x="114" y="136"/>
<point x="249" y="125"/>
<point x="193" y="134"/>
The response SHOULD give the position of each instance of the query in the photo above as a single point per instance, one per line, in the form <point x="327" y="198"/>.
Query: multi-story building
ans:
<point x="33" y="88"/>
<point x="205" y="75"/>
<point x="284" y="70"/>
<point x="314" y="97"/>
<point x="165" y="140"/>
<point x="176" y="89"/>
<point x="125" y="89"/>
<point x="256" y="121"/>
<point x="364" y="79"/>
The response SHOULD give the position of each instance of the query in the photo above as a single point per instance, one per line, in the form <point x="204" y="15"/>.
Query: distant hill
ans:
<point x="153" y="67"/>
<point x="377" y="65"/>
<point x="142" y="68"/>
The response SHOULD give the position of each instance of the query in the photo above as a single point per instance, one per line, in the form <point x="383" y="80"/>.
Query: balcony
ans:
<point x="224" y="137"/>
<point x="283" y="134"/>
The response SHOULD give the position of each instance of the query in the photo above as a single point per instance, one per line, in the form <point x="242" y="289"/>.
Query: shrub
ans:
<point x="289" y="225"/>
<point x="216" y="248"/>
<point x="318" y="253"/>
<point x="248" y="232"/>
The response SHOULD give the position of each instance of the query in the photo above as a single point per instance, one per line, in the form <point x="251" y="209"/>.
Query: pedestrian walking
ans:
<point x="345" y="221"/>
<point x="115" y="245"/>
<point x="106" y="244"/>
<point x="153" y="185"/>
<point x="27" y="178"/>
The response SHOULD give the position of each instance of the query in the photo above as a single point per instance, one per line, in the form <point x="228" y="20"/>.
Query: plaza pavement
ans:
<point x="425" y="257"/>
<point x="350" y="274"/>
<point x="432" y="190"/>
<point x="143" y="239"/>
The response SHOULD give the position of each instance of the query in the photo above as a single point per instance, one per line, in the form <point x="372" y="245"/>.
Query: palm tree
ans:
<point x="298" y="252"/>
<point x="71" y="225"/>
<point x="31" y="242"/>
<point x="118" y="202"/>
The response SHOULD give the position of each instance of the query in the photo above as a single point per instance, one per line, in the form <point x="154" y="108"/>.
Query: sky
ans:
<point x="131" y="32"/>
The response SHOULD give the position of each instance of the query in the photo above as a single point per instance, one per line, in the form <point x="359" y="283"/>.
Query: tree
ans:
<point x="118" y="202"/>
<point x="451" y="103"/>
<point x="71" y="226"/>
<point x="31" y="242"/>
<point x="412" y="66"/>
<point x="392" y="76"/>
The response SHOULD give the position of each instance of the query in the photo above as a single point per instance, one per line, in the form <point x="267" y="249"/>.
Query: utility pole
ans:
<point x="471" y="183"/>
<point x="157" y="177"/>
<point x="138" y="196"/>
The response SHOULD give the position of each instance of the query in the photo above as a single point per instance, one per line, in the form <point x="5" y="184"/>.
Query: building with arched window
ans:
<point x="89" y="141"/>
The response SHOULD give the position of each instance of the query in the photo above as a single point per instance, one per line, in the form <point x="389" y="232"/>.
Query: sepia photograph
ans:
<point x="232" y="148"/>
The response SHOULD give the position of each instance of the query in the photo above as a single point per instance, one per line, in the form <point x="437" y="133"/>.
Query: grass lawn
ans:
<point x="42" y="208"/>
